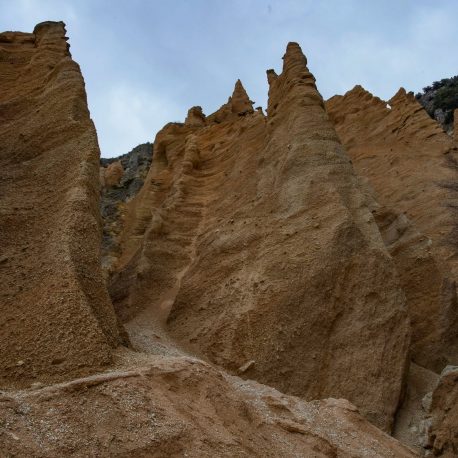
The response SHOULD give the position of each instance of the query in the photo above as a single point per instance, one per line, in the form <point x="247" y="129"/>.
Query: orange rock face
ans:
<point x="56" y="316"/>
<point x="406" y="157"/>
<point x="251" y="251"/>
<point x="195" y="117"/>
<point x="253" y="246"/>
<point x="111" y="176"/>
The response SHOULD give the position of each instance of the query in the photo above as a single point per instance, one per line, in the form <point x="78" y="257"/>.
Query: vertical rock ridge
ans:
<point x="239" y="101"/>
<point x="238" y="104"/>
<point x="57" y="319"/>
<point x="256" y="250"/>
<point x="404" y="155"/>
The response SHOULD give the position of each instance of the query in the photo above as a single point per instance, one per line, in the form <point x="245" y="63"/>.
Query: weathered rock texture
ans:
<point x="56" y="319"/>
<point x="238" y="104"/>
<point x="410" y="418"/>
<point x="175" y="407"/>
<point x="410" y="164"/>
<point x="121" y="179"/>
<point x="254" y="234"/>
<point x="251" y="244"/>
<point x="441" y="425"/>
<point x="111" y="175"/>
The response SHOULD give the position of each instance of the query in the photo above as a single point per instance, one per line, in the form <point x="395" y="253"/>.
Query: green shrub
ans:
<point x="446" y="97"/>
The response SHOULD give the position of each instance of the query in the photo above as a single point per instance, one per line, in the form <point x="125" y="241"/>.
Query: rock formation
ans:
<point x="440" y="426"/>
<point x="121" y="179"/>
<point x="440" y="100"/>
<point x="195" y="117"/>
<point x="216" y="243"/>
<point x="248" y="254"/>
<point x="56" y="317"/>
<point x="238" y="104"/>
<point x="411" y="169"/>
<point x="111" y="175"/>
<point x="405" y="156"/>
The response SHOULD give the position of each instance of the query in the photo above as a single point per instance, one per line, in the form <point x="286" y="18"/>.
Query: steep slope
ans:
<point x="56" y="317"/>
<point x="252" y="244"/>
<point x="406" y="156"/>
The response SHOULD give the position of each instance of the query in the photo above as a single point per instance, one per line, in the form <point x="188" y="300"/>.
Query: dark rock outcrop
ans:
<point x="440" y="100"/>
<point x="121" y="179"/>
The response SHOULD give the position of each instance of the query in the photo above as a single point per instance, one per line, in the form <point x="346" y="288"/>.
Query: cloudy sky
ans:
<point x="146" y="62"/>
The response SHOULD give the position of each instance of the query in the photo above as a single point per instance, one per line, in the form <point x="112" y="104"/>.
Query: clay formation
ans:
<point x="260" y="285"/>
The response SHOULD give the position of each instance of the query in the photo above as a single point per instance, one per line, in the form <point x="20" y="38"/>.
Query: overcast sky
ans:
<point x="146" y="62"/>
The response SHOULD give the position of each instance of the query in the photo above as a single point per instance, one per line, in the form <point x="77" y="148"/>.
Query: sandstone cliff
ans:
<point x="410" y="168"/>
<point x="252" y="241"/>
<point x="249" y="250"/>
<point x="56" y="316"/>
<point x="406" y="158"/>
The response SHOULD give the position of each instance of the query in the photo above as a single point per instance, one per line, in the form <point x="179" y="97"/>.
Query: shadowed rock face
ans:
<point x="56" y="317"/>
<point x="253" y="245"/>
<point x="440" y="424"/>
<point x="406" y="158"/>
<point x="121" y="179"/>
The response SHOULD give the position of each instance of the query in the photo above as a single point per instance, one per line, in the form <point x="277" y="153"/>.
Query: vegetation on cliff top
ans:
<point x="440" y="99"/>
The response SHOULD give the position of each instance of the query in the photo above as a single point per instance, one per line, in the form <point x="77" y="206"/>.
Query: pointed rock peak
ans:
<point x="294" y="59"/>
<point x="237" y="104"/>
<point x="358" y="88"/>
<point x="271" y="76"/>
<point x="400" y="94"/>
<point x="357" y="92"/>
<point x="363" y="94"/>
<point x="402" y="97"/>
<point x="239" y="86"/>
<point x="295" y="77"/>
<point x="239" y="101"/>
<point x="195" y="117"/>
